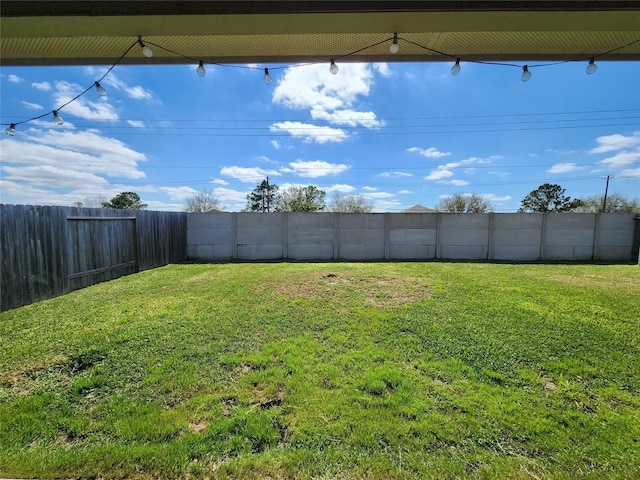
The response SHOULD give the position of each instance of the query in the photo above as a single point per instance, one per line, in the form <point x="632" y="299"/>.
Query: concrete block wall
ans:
<point x="410" y="236"/>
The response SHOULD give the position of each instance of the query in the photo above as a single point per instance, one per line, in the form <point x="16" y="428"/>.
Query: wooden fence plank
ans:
<point x="49" y="251"/>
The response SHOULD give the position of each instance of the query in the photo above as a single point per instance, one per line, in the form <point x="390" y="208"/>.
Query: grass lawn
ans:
<point x="329" y="370"/>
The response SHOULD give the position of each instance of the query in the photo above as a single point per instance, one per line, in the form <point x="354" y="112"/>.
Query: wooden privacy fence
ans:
<point x="49" y="251"/>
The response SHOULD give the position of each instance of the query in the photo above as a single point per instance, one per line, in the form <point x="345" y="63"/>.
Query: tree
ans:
<point x="350" y="204"/>
<point x="96" y="201"/>
<point x="616" y="203"/>
<point x="125" y="200"/>
<point x="301" y="199"/>
<point x="548" y="198"/>
<point x="465" y="203"/>
<point x="203" y="202"/>
<point x="263" y="198"/>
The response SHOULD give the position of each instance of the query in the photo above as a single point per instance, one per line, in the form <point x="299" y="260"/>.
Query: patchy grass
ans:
<point x="377" y="370"/>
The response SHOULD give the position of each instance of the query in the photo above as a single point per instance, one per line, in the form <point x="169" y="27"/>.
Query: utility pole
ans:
<point x="268" y="197"/>
<point x="606" y="191"/>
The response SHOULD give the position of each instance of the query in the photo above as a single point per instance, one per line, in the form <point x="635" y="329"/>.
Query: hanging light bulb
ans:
<point x="526" y="74"/>
<point x="455" y="70"/>
<point x="394" y="44"/>
<point x="100" y="89"/>
<point x="200" y="70"/>
<point x="10" y="130"/>
<point x="57" y="118"/>
<point x="333" y="68"/>
<point x="267" y="77"/>
<point x="146" y="51"/>
<point x="592" y="67"/>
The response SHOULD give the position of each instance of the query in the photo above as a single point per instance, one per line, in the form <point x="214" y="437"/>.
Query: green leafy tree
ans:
<point x="465" y="203"/>
<point x="263" y="198"/>
<point x="126" y="201"/>
<point x="301" y="199"/>
<point x="548" y="198"/>
<point x="616" y="203"/>
<point x="342" y="203"/>
<point x="203" y="202"/>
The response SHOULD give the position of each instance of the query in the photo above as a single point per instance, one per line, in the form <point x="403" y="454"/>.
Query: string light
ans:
<point x="394" y="48"/>
<point x="146" y="51"/>
<point x="394" y="44"/>
<point x="200" y="70"/>
<point x="455" y="70"/>
<point x="100" y="89"/>
<point x="57" y="118"/>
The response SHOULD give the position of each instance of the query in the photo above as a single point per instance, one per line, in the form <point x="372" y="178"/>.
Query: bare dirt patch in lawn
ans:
<point x="380" y="291"/>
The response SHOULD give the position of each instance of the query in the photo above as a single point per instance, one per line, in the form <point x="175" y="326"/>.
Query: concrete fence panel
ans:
<point x="464" y="236"/>
<point x="516" y="237"/>
<point x="412" y="236"/>
<point x="568" y="236"/>
<point x="361" y="236"/>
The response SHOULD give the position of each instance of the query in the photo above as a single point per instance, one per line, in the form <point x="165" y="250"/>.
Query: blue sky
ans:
<point x="399" y="133"/>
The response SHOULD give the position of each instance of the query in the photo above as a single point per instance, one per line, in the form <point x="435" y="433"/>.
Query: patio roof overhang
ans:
<point x="97" y="32"/>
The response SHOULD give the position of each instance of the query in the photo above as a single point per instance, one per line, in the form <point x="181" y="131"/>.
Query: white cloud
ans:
<point x="136" y="123"/>
<point x="310" y="133"/>
<point x="610" y="143"/>
<point x="248" y="174"/>
<point x="348" y="117"/>
<point x="631" y="172"/>
<point x="32" y="106"/>
<point x="178" y="193"/>
<point x="82" y="107"/>
<point x="232" y="199"/>
<point x="457" y="183"/>
<point x="431" y="152"/>
<point x="394" y="174"/>
<point x="382" y="68"/>
<point x="82" y="151"/>
<point x="219" y="181"/>
<point x="404" y="192"/>
<point x="136" y="92"/>
<point x="622" y="159"/>
<point x="314" y="168"/>
<point x="564" y="168"/>
<point x="439" y="174"/>
<point x="49" y="175"/>
<point x="315" y="87"/>
<point x="379" y="195"/>
<point x="275" y="144"/>
<point x="495" y="198"/>
<point x="42" y="86"/>
<point x="15" y="78"/>
<point x="370" y="189"/>
<point x="331" y="98"/>
<point x="342" y="188"/>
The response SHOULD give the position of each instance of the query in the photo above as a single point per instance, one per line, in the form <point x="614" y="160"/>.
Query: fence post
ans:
<point x="635" y="250"/>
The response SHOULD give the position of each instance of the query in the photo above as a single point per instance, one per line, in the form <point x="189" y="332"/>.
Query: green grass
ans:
<point x="292" y="370"/>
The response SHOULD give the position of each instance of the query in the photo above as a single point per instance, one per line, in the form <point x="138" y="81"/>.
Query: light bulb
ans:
<point x="592" y="67"/>
<point x="200" y="70"/>
<point x="267" y="77"/>
<point x="394" y="44"/>
<point x="100" y="89"/>
<point x="57" y="118"/>
<point x="526" y="74"/>
<point x="333" y="68"/>
<point x="455" y="70"/>
<point x="10" y="130"/>
<point x="146" y="51"/>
